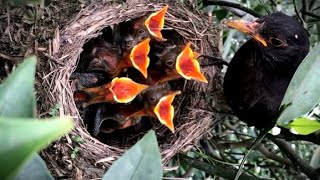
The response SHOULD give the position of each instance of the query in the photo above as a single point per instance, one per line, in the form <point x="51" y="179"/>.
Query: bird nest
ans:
<point x="195" y="107"/>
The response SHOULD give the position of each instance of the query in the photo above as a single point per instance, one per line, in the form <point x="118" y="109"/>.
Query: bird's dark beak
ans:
<point x="139" y="56"/>
<point x="124" y="90"/>
<point x="188" y="66"/>
<point x="165" y="111"/>
<point x="249" y="28"/>
<point x="155" y="23"/>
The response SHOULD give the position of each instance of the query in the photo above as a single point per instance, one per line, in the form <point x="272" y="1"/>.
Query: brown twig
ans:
<point x="9" y="23"/>
<point x="299" y="163"/>
<point x="9" y="58"/>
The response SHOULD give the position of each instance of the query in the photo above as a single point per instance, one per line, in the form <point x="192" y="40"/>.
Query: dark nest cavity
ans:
<point x="128" y="136"/>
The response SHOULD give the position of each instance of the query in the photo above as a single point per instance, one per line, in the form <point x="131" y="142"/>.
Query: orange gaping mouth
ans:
<point x="124" y="90"/>
<point x="155" y="23"/>
<point x="165" y="111"/>
<point x="139" y="56"/>
<point x="187" y="66"/>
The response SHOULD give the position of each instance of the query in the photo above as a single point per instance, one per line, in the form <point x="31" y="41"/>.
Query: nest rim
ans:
<point x="64" y="55"/>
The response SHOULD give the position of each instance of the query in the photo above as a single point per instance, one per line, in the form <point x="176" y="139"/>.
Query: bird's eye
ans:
<point x="128" y="46"/>
<point x="170" y="62"/>
<point x="141" y="31"/>
<point x="152" y="99"/>
<point x="276" y="42"/>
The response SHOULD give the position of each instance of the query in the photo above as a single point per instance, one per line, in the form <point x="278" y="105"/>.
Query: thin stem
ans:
<point x="233" y="5"/>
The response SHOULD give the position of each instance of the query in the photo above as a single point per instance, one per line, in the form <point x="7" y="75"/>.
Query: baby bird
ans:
<point x="107" y="60"/>
<point x="175" y="62"/>
<point x="130" y="34"/>
<point x="154" y="103"/>
<point x="119" y="90"/>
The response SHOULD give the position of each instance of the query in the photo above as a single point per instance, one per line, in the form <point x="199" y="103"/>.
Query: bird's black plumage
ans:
<point x="259" y="74"/>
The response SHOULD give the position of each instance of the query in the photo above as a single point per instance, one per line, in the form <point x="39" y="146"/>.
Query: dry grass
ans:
<point x="59" y="59"/>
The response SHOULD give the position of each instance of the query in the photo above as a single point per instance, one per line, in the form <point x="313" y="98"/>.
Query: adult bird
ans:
<point x="260" y="71"/>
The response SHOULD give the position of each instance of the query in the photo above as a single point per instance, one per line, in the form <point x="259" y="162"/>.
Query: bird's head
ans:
<point x="155" y="22"/>
<point x="146" y="27"/>
<point x="139" y="56"/>
<point x="280" y="36"/>
<point x="158" y="100"/>
<point x="124" y="90"/>
<point x="181" y="61"/>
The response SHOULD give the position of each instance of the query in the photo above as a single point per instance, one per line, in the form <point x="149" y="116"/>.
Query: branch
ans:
<point x="9" y="58"/>
<point x="287" y="135"/>
<point x="261" y="148"/>
<point x="273" y="3"/>
<point x="310" y="14"/>
<point x="233" y="5"/>
<point x="304" y="8"/>
<point x="296" y="159"/>
<point x="219" y="169"/>
<point x="297" y="12"/>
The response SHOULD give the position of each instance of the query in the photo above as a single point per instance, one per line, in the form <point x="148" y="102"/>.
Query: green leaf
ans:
<point x="21" y="138"/>
<point x="142" y="161"/>
<point x="17" y="92"/>
<point x="304" y="126"/>
<point x="34" y="168"/>
<point x="303" y="92"/>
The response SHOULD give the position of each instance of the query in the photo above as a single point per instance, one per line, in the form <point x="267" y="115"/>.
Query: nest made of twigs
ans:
<point x="195" y="106"/>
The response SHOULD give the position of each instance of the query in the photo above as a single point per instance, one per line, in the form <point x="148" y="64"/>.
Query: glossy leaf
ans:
<point x="304" y="126"/>
<point x="34" y="168"/>
<point x="303" y="92"/>
<point x="17" y="92"/>
<point x="142" y="161"/>
<point x="22" y="138"/>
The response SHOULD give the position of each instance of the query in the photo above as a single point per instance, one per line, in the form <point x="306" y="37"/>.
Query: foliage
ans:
<point x="20" y="134"/>
<point x="303" y="93"/>
<point x="142" y="161"/>
<point x="304" y="126"/>
<point x="19" y="87"/>
<point x="34" y="168"/>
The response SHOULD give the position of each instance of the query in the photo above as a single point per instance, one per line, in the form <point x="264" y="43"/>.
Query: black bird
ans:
<point x="260" y="71"/>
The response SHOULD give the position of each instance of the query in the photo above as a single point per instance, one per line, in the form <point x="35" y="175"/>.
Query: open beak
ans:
<point x="165" y="111"/>
<point x="187" y="66"/>
<point x="124" y="90"/>
<point x="249" y="28"/>
<point x="155" y="23"/>
<point x="98" y="95"/>
<point x="139" y="56"/>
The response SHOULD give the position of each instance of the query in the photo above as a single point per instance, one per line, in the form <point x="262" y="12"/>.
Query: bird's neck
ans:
<point x="281" y="66"/>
